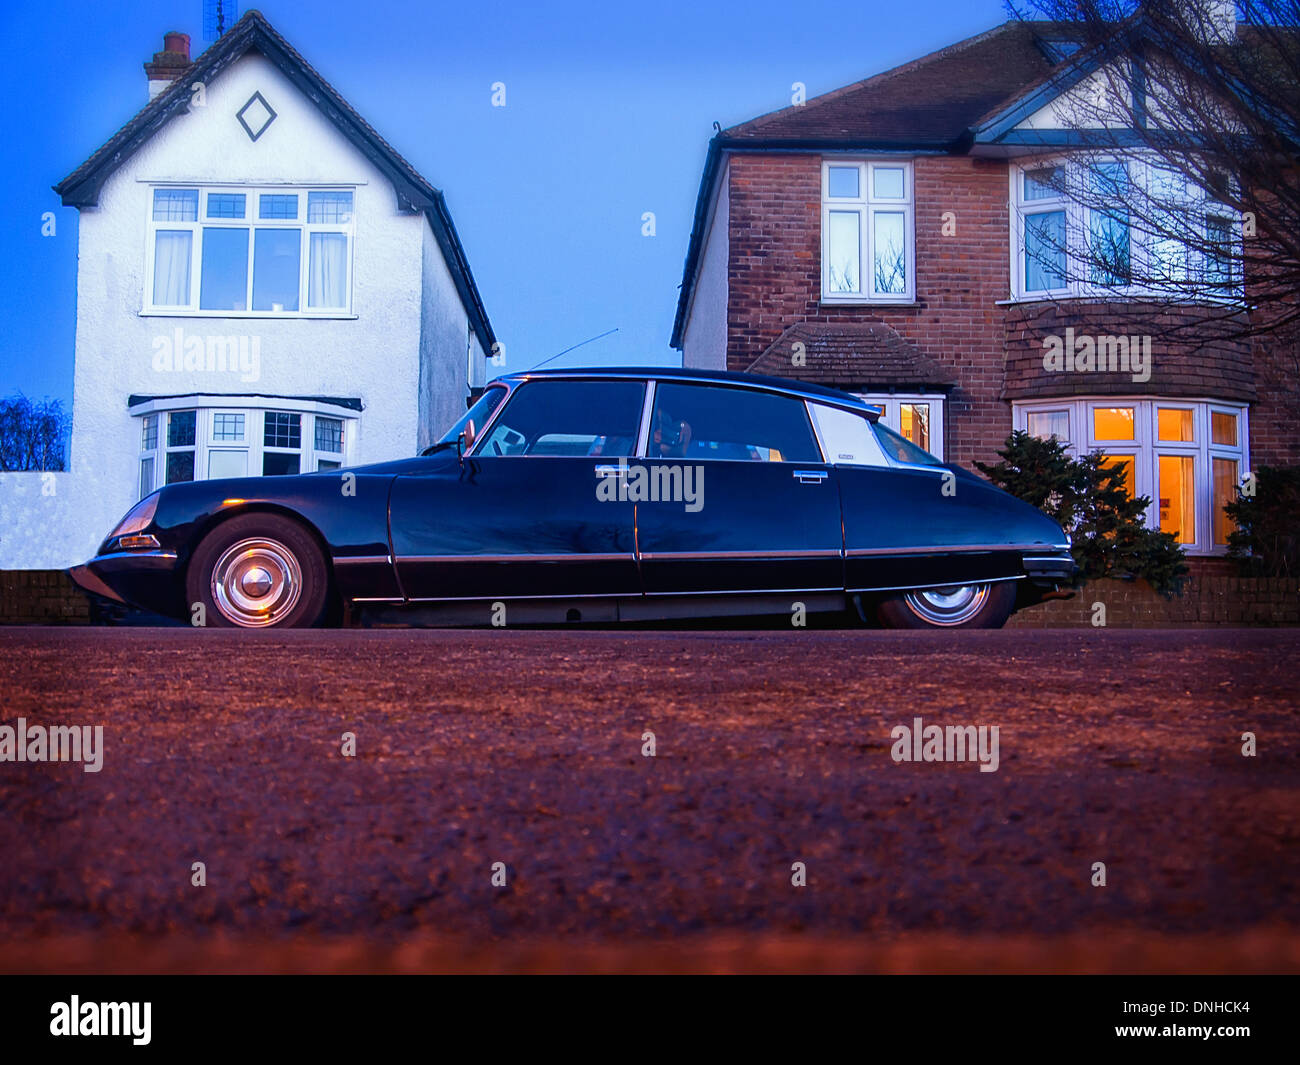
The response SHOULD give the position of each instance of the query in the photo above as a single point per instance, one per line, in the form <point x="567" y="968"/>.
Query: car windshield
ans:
<point x="902" y="449"/>
<point x="479" y="413"/>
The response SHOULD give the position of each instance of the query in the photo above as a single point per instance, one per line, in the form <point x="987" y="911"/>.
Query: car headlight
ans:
<point x="138" y="517"/>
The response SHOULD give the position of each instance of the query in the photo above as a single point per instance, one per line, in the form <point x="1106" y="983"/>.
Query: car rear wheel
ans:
<point x="259" y="571"/>
<point x="957" y="606"/>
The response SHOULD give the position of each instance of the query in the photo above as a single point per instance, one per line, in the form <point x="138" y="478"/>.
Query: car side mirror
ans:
<point x="466" y="439"/>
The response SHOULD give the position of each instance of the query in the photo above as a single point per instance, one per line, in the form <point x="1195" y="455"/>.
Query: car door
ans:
<point x="523" y="515"/>
<point x="735" y="496"/>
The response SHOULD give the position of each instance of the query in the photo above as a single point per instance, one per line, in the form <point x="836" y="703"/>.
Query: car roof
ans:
<point x="802" y="389"/>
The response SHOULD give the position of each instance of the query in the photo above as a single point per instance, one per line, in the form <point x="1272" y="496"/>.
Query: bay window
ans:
<point x="249" y="251"/>
<point x="1186" y="456"/>
<point x="1074" y="232"/>
<point x="868" y="247"/>
<point x="211" y="441"/>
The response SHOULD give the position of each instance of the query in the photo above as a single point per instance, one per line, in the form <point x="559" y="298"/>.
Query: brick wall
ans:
<point x="1206" y="600"/>
<point x="775" y="277"/>
<point x="41" y="597"/>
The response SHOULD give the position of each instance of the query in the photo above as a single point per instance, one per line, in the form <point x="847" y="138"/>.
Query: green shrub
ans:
<point x="1266" y="542"/>
<point x="1090" y="500"/>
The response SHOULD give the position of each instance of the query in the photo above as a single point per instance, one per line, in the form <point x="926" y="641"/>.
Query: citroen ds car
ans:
<point x="601" y="496"/>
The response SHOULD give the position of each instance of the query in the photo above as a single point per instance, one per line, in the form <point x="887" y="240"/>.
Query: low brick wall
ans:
<point x="41" y="597"/>
<point x="1206" y="601"/>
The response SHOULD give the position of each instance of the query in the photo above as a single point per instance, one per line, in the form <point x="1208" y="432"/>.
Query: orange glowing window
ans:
<point x="1112" y="423"/>
<point x="1223" y="428"/>
<point x="1173" y="423"/>
<point x="1177" y="492"/>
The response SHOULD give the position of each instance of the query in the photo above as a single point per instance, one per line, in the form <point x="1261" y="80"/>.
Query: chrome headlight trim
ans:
<point x="138" y="517"/>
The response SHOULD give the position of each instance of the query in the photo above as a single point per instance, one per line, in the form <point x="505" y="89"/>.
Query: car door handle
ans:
<point x="610" y="471"/>
<point x="810" y="476"/>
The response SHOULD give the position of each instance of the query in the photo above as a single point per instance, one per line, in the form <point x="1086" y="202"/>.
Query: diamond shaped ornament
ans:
<point x="255" y="116"/>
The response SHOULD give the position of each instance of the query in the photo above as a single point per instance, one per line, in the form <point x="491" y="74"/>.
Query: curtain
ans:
<point x="328" y="266"/>
<point x="171" y="268"/>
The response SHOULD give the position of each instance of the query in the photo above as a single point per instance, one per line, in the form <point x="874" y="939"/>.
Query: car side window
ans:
<point x="568" y="418"/>
<point x="846" y="436"/>
<point x="740" y="424"/>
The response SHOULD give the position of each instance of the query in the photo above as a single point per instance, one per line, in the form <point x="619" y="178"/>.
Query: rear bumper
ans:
<point x="146" y="579"/>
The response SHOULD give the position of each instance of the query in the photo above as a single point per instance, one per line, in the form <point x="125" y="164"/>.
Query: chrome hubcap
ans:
<point x="256" y="582"/>
<point x="953" y="605"/>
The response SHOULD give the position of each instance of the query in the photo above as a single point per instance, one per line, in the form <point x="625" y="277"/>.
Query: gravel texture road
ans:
<point x="770" y="748"/>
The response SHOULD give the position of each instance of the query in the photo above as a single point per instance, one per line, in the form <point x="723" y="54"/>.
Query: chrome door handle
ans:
<point x="810" y="476"/>
<point x="610" y="471"/>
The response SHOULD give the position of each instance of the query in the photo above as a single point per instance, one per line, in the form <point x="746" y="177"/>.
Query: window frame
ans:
<point x="866" y="205"/>
<point x="892" y="414"/>
<point x="251" y="223"/>
<point x="1078" y="231"/>
<point x="1146" y="448"/>
<point x="206" y="409"/>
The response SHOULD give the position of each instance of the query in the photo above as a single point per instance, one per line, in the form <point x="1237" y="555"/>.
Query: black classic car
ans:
<point x="601" y="495"/>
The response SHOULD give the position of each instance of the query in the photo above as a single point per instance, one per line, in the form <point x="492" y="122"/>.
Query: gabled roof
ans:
<point x="929" y="102"/>
<point x="253" y="33"/>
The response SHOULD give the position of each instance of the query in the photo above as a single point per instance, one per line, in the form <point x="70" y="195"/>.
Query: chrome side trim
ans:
<point x="114" y="556"/>
<point x="946" y="549"/>
<point x="662" y="556"/>
<point x="576" y="556"/>
<point x="725" y="593"/>
<point x="357" y="560"/>
<point x="945" y="584"/>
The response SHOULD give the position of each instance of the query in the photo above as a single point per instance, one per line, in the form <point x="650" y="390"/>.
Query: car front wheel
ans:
<point x="259" y="571"/>
<point x="957" y="606"/>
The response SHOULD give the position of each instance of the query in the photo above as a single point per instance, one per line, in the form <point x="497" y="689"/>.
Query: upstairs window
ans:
<point x="1098" y="227"/>
<point x="868" y="245"/>
<point x="246" y="251"/>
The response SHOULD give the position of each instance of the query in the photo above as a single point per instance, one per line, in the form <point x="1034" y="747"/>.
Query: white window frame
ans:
<point x="1140" y="171"/>
<point x="250" y="222"/>
<point x="1146" y="449"/>
<point x="254" y="410"/>
<point x="892" y="416"/>
<point x="866" y="205"/>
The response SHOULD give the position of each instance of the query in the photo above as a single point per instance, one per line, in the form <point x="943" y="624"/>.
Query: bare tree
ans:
<point x="32" y="435"/>
<point x="1182" y="195"/>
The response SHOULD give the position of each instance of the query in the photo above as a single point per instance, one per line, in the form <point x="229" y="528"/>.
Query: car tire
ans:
<point x="259" y="571"/>
<point x="969" y="606"/>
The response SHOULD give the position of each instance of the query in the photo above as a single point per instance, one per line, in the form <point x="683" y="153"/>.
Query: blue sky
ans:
<point x="609" y="109"/>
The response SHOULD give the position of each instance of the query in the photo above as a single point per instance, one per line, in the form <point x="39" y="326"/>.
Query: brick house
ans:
<point x="880" y="239"/>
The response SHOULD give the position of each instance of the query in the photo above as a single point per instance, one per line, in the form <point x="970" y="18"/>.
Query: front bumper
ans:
<point x="146" y="579"/>
<point x="1050" y="566"/>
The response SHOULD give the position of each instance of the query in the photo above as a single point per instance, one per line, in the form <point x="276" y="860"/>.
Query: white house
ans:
<point x="264" y="286"/>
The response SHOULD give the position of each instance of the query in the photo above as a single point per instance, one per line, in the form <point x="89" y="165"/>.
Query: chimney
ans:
<point x="170" y="63"/>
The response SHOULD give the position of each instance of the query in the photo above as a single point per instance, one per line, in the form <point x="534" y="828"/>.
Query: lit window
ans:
<point x="916" y="418"/>
<point x="1112" y="423"/>
<point x="1186" y="458"/>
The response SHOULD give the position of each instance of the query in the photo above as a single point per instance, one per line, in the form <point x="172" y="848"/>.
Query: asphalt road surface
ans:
<point x="771" y="748"/>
